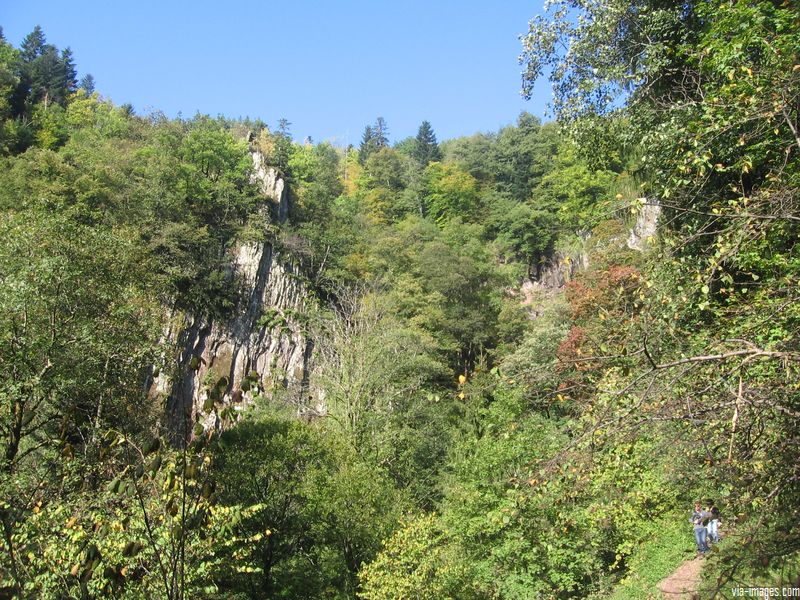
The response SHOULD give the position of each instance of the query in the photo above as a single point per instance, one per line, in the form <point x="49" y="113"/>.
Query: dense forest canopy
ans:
<point x="507" y="398"/>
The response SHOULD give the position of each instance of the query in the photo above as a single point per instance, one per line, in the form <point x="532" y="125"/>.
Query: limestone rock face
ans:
<point x="645" y="227"/>
<point x="558" y="269"/>
<point x="263" y="343"/>
<point x="271" y="183"/>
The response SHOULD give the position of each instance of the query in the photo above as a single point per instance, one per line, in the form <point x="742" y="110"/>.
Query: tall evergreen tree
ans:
<point x="380" y="133"/>
<point x="33" y="45"/>
<point x="283" y="144"/>
<point x="373" y="139"/>
<point x="70" y="83"/>
<point x="426" y="148"/>
<point x="87" y="83"/>
<point x="284" y="128"/>
<point x="365" y="148"/>
<point x="46" y="76"/>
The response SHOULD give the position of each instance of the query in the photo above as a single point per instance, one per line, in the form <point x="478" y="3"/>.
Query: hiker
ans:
<point x="700" y="531"/>
<point x="713" y="523"/>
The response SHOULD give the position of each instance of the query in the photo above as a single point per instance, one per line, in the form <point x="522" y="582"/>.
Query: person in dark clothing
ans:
<point x="714" y="521"/>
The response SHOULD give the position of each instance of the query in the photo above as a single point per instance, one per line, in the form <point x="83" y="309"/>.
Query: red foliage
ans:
<point x="623" y="275"/>
<point x="569" y="348"/>
<point x="600" y="290"/>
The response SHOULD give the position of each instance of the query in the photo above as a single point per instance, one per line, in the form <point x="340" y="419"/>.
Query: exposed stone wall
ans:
<point x="558" y="269"/>
<point x="262" y="344"/>
<point x="646" y="225"/>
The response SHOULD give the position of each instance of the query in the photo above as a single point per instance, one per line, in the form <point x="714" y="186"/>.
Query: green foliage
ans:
<point x="36" y="85"/>
<point x="760" y="569"/>
<point x="373" y="367"/>
<point x="665" y="546"/>
<point x="415" y="563"/>
<point x="76" y="326"/>
<point x="469" y="439"/>
<point x="522" y="232"/>
<point x="383" y="169"/>
<point x="576" y="195"/>
<point x="198" y="196"/>
<point x="445" y="284"/>
<point x="426" y="149"/>
<point x="450" y="192"/>
<point x="710" y="90"/>
<point x="375" y="138"/>
<point x="132" y="520"/>
<point x="297" y="488"/>
<point x="614" y="47"/>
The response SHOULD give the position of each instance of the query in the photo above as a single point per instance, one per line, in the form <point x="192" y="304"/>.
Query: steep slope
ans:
<point x="222" y="363"/>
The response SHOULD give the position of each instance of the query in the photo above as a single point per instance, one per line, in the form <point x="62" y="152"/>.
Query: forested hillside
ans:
<point x="508" y="390"/>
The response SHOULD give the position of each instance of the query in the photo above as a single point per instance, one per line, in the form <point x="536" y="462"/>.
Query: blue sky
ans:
<point x="329" y="67"/>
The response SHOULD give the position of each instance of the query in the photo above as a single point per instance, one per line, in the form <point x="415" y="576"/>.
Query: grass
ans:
<point x="670" y="543"/>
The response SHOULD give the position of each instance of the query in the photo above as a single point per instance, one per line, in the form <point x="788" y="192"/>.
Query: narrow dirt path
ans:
<point x="684" y="582"/>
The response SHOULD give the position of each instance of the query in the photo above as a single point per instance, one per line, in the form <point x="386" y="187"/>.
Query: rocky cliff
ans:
<point x="553" y="272"/>
<point x="263" y="345"/>
<point x="646" y="225"/>
<point x="559" y="268"/>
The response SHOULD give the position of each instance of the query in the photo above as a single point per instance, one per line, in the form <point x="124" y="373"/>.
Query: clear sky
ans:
<point x="328" y="66"/>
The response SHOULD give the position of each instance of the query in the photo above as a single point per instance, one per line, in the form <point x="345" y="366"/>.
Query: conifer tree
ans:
<point x="365" y="148"/>
<point x="33" y="45"/>
<point x="46" y="75"/>
<point x="70" y="82"/>
<point x="426" y="148"/>
<point x="283" y="144"/>
<point x="87" y="84"/>
<point x="380" y="134"/>
<point x="373" y="139"/>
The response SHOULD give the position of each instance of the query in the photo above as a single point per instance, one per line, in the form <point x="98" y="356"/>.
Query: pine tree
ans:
<point x="426" y="148"/>
<point x="373" y="139"/>
<point x="380" y="134"/>
<point x="33" y="45"/>
<point x="47" y="75"/>
<point x="283" y="144"/>
<point x="87" y="84"/>
<point x="70" y="83"/>
<point x="284" y="128"/>
<point x="365" y="149"/>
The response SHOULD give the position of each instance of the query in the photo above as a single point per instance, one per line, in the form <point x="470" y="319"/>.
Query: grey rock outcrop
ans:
<point x="646" y="225"/>
<point x="559" y="268"/>
<point x="272" y="185"/>
<point x="262" y="345"/>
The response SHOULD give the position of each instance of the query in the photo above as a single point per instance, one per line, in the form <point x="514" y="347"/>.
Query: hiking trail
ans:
<point x="684" y="582"/>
